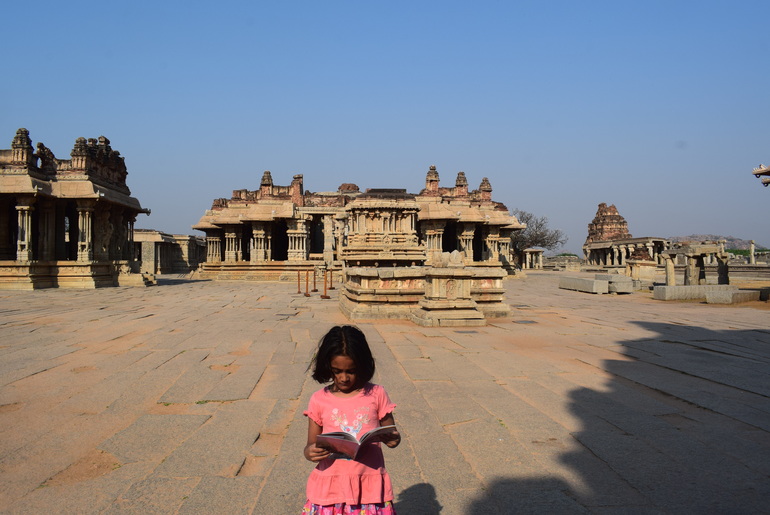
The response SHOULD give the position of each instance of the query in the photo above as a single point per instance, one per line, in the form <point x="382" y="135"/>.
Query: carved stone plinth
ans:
<point x="488" y="292"/>
<point x="448" y="300"/>
<point x="371" y="293"/>
<point x="59" y="274"/>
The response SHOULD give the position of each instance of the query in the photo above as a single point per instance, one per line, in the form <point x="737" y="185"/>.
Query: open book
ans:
<point x="347" y="444"/>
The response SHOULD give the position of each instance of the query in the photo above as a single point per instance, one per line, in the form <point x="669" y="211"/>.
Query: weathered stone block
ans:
<point x="731" y="297"/>
<point x="613" y="278"/>
<point x="689" y="292"/>
<point x="622" y="287"/>
<point x="584" y="285"/>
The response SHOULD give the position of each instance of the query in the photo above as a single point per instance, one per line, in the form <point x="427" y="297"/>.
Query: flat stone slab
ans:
<point x="622" y="287"/>
<point x="152" y="437"/>
<point x="732" y="297"/>
<point x="613" y="278"/>
<point x="584" y="285"/>
<point x="689" y="292"/>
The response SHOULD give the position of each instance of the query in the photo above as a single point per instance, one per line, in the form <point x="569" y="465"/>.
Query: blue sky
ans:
<point x="659" y="107"/>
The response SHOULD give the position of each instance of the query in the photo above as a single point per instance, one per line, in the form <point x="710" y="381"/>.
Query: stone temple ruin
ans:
<point x="610" y="244"/>
<point x="437" y="257"/>
<point x="65" y="222"/>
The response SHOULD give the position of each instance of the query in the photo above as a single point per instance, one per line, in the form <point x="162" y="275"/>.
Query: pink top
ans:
<point x="341" y="480"/>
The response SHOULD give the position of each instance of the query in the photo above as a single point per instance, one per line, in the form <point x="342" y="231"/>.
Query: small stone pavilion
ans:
<point x="610" y="244"/>
<point x="65" y="222"/>
<point x="163" y="253"/>
<point x="393" y="247"/>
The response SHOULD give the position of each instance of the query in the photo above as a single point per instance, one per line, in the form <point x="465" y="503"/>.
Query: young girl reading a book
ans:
<point x="352" y="404"/>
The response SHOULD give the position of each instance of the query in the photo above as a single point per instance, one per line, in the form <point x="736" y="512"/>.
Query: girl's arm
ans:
<point x="393" y="439"/>
<point x="312" y="451"/>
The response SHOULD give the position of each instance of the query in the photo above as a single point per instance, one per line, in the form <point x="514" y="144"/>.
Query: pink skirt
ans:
<point x="380" y="508"/>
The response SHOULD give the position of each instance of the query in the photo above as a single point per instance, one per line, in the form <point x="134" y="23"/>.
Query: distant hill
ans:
<point x="732" y="243"/>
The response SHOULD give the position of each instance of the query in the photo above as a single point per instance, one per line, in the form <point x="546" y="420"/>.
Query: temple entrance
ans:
<point x="316" y="232"/>
<point x="280" y="241"/>
<point x="69" y="246"/>
<point x="478" y="243"/>
<point x="10" y="232"/>
<point x="450" y="242"/>
<point x="245" y="246"/>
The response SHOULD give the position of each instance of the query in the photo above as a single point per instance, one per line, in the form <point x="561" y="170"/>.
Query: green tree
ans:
<point x="537" y="233"/>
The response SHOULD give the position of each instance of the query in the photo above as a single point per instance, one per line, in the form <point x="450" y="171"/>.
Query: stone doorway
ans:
<point x="280" y="241"/>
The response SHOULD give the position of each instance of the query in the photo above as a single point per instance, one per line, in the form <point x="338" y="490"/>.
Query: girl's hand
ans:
<point x="391" y="439"/>
<point x="314" y="453"/>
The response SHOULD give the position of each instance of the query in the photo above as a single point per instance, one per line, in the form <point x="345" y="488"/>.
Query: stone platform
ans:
<point x="187" y="398"/>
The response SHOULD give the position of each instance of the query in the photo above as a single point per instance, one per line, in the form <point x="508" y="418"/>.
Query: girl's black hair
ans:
<point x="343" y="340"/>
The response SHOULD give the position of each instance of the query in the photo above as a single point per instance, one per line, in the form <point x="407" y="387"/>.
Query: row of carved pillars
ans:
<point x="616" y="255"/>
<point x="533" y="260"/>
<point x="695" y="269"/>
<point x="45" y="231"/>
<point x="261" y="242"/>
<point x="496" y="247"/>
<point x="396" y="222"/>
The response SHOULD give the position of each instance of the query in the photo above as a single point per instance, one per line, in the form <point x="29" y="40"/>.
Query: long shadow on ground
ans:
<point x="681" y="428"/>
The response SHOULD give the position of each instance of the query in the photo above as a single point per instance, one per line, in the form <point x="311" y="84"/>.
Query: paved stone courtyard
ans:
<point x="188" y="397"/>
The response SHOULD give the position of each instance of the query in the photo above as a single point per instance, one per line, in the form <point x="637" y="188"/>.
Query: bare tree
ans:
<point x="537" y="233"/>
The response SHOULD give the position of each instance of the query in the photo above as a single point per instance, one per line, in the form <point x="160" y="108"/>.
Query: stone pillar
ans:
<point x="466" y="241"/>
<point x="47" y="242"/>
<point x="232" y="245"/>
<point x="149" y="257"/>
<point x="328" y="222"/>
<point x="258" y="242"/>
<point x="505" y="249"/>
<point x="213" y="248"/>
<point x="670" y="271"/>
<point x="130" y="244"/>
<point x="433" y="232"/>
<point x="493" y="237"/>
<point x="752" y="254"/>
<point x="700" y="263"/>
<point x="690" y="271"/>
<point x="85" y="211"/>
<point x="341" y="229"/>
<point x="540" y="260"/>
<point x="24" y="235"/>
<point x="723" y="270"/>
<point x="297" y="240"/>
<point x="102" y="235"/>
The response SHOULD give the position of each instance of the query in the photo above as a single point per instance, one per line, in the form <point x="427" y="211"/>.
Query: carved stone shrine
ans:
<point x="609" y="244"/>
<point x="383" y="240"/>
<point x="66" y="222"/>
